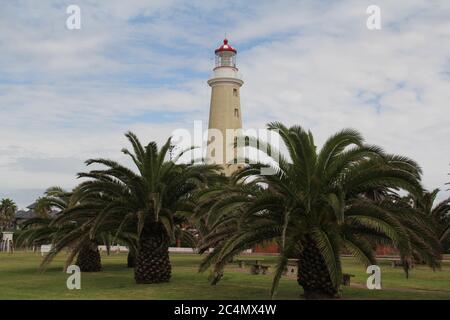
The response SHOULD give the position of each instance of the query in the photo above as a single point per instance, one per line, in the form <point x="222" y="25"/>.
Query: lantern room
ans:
<point x="225" y="55"/>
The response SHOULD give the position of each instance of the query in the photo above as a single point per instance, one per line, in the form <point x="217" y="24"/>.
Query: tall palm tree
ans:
<point x="318" y="203"/>
<point x="8" y="211"/>
<point x="152" y="195"/>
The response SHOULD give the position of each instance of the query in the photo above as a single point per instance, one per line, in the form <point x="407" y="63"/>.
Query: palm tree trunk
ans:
<point x="88" y="259"/>
<point x="313" y="274"/>
<point x="152" y="261"/>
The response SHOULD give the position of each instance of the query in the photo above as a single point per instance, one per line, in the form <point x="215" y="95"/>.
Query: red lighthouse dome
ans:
<point x="225" y="47"/>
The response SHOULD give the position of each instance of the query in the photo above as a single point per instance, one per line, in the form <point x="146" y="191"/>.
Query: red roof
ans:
<point x="225" y="47"/>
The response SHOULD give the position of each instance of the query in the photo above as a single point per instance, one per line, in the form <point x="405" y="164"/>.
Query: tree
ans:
<point x="318" y="204"/>
<point x="8" y="211"/>
<point x="42" y="208"/>
<point x="69" y="228"/>
<point x="152" y="196"/>
<point x="88" y="257"/>
<point x="437" y="213"/>
<point x="87" y="235"/>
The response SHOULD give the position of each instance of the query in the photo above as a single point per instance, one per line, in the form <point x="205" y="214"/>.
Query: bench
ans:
<point x="346" y="278"/>
<point x="398" y="263"/>
<point x="291" y="268"/>
<point x="242" y="263"/>
<point x="258" y="269"/>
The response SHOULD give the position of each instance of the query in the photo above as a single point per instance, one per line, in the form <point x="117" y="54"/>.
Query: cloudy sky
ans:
<point x="68" y="95"/>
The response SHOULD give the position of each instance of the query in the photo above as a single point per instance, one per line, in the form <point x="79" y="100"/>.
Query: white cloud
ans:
<point x="71" y="95"/>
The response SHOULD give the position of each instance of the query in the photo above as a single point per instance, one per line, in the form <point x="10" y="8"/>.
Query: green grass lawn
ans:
<point x="19" y="279"/>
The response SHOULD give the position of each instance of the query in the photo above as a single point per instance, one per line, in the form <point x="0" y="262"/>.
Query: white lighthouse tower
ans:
<point x="225" y="109"/>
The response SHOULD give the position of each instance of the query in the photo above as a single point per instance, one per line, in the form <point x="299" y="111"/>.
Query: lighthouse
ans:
<point x="225" y="118"/>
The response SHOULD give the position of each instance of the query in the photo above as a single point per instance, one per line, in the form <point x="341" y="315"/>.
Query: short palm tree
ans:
<point x="35" y="232"/>
<point x="437" y="213"/>
<point x="87" y="234"/>
<point x="318" y="204"/>
<point x="151" y="196"/>
<point x="69" y="229"/>
<point x="8" y="211"/>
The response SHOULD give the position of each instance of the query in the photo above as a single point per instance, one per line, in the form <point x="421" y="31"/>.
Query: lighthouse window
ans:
<point x="235" y="92"/>
<point x="236" y="112"/>
<point x="226" y="61"/>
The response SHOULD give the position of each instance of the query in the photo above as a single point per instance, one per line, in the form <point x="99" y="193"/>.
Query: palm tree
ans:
<point x="152" y="196"/>
<point x="42" y="208"/>
<point x="91" y="234"/>
<point x="437" y="213"/>
<point x="64" y="230"/>
<point x="318" y="204"/>
<point x="82" y="243"/>
<point x="8" y="211"/>
<point x="35" y="232"/>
